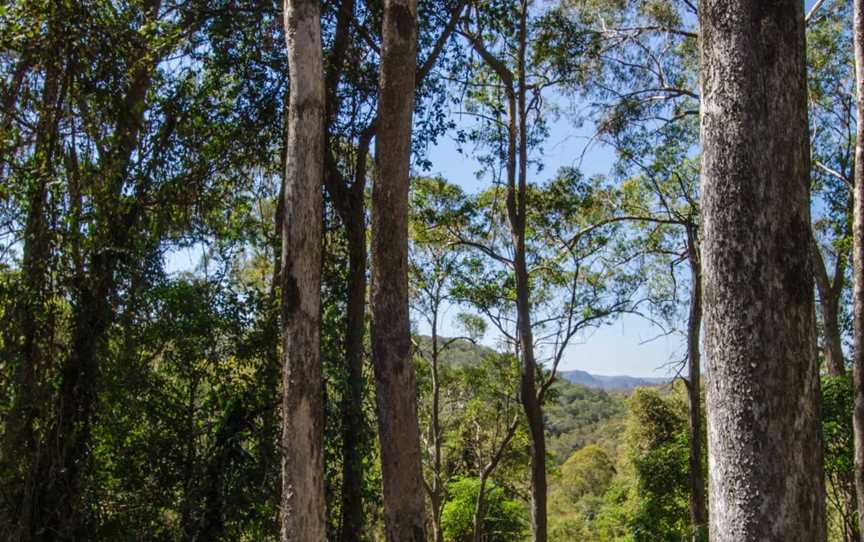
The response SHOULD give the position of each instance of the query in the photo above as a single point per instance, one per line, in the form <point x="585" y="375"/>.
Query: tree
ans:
<point x="645" y="103"/>
<point x="507" y="94"/>
<point x="505" y="520"/>
<point x="352" y="99"/>
<point x="396" y="393"/>
<point x="303" y="506"/>
<point x="490" y="425"/>
<point x="762" y="400"/>
<point x="839" y="446"/>
<point x="433" y="265"/>
<point x="858" y="259"/>
<point x="579" y="276"/>
<point x="830" y="70"/>
<point x="657" y="451"/>
<point x="577" y="497"/>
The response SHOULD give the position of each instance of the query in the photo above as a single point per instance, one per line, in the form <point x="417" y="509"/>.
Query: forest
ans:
<point x="307" y="270"/>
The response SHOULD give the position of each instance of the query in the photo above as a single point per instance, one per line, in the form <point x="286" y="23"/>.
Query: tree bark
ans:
<point x="303" y="504"/>
<point x="698" y="504"/>
<point x="765" y="464"/>
<point x="396" y="394"/>
<point x="353" y="424"/>
<point x="858" y="262"/>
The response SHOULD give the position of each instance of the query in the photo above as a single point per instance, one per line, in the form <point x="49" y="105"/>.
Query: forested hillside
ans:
<point x="251" y="252"/>
<point x="611" y="382"/>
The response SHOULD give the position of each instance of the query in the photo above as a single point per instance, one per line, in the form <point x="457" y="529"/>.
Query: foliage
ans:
<point x="839" y="448"/>
<point x="578" y="417"/>
<point x="506" y="518"/>
<point x="141" y="153"/>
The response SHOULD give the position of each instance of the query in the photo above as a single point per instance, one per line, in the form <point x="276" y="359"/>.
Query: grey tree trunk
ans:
<point x="858" y="261"/>
<point x="303" y="504"/>
<point x="765" y="459"/>
<point x="396" y="394"/>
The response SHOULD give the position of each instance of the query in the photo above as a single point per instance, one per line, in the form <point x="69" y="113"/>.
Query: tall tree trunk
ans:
<point x="303" y="504"/>
<point x="698" y="504"/>
<point x="517" y="213"/>
<point x="437" y="491"/>
<point x="765" y="467"/>
<point x="396" y="394"/>
<point x="353" y="425"/>
<point x="858" y="261"/>
<point x="528" y="392"/>
<point x="829" y="308"/>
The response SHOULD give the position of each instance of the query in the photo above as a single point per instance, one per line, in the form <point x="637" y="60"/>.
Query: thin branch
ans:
<point x="813" y="11"/>
<point x="833" y="172"/>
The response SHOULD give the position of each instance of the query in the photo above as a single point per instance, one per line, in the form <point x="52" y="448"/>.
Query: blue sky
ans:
<point x="625" y="346"/>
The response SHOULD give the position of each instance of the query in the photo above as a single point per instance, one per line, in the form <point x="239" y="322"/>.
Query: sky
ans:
<point x="624" y="347"/>
<point x="628" y="346"/>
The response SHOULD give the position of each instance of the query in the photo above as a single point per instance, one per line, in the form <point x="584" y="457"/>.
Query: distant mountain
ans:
<point x="610" y="382"/>
<point x="461" y="352"/>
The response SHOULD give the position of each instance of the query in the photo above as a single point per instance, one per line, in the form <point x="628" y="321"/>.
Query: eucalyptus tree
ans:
<point x="644" y="103"/>
<point x="759" y="319"/>
<point x="352" y="68"/>
<point x="579" y="278"/>
<point x="474" y="417"/>
<point x="832" y="128"/>
<point x="396" y="394"/>
<point x="645" y="87"/>
<point x="434" y="265"/>
<point x="505" y="85"/>
<point x="303" y="507"/>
